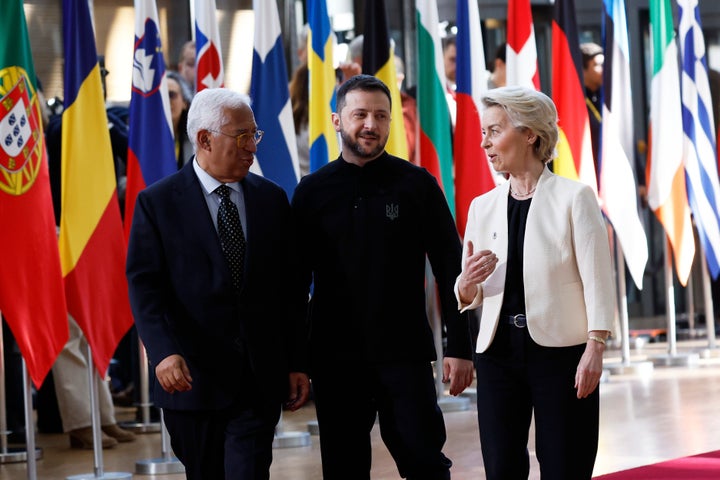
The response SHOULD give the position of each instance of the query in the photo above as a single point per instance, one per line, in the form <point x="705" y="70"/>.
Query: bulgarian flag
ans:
<point x="433" y="112"/>
<point x="667" y="192"/>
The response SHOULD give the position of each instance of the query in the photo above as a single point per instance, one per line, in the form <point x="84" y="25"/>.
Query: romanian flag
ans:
<point x="92" y="246"/>
<point x="151" y="147"/>
<point x="32" y="300"/>
<point x="433" y="112"/>
<point x="323" y="138"/>
<point x="209" y="70"/>
<point x="473" y="173"/>
<point x="699" y="129"/>
<point x="617" y="184"/>
<point x="521" y="52"/>
<point x="379" y="60"/>
<point x="575" y="157"/>
<point x="667" y="193"/>
<point x="278" y="157"/>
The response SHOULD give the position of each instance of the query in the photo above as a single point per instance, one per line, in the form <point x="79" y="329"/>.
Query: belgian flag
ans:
<point x="379" y="61"/>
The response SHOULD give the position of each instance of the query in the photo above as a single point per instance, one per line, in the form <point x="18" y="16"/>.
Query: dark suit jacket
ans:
<point x="184" y="303"/>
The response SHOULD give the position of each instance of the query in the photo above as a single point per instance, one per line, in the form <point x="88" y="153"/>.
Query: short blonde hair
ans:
<point x="528" y="108"/>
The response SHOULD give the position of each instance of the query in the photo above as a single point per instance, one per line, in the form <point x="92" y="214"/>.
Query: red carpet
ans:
<point x="703" y="467"/>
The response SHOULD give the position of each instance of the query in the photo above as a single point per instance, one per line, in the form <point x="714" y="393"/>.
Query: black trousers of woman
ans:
<point x="517" y="378"/>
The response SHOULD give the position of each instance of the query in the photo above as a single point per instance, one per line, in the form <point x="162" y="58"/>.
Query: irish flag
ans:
<point x="667" y="193"/>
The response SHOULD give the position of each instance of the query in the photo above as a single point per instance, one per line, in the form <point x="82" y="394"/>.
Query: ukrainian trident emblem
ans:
<point x="20" y="145"/>
<point x="392" y="211"/>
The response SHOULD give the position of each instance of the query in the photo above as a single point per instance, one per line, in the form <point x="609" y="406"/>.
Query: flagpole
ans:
<point x="146" y="425"/>
<point x="166" y="463"/>
<point x="672" y="358"/>
<point x="8" y="454"/>
<point x="712" y="349"/>
<point x="29" y="426"/>
<point x="98" y="467"/>
<point x="626" y="366"/>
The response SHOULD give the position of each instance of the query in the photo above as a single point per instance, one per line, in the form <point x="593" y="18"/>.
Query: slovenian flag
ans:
<point x="667" y="193"/>
<point x="323" y="138"/>
<point x="92" y="245"/>
<point x="699" y="148"/>
<point x="617" y="184"/>
<point x="473" y="173"/>
<point x="278" y="157"/>
<point x="151" y="147"/>
<point x="209" y="70"/>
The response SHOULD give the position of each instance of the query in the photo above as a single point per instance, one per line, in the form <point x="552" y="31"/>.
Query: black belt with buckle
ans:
<point x="519" y="320"/>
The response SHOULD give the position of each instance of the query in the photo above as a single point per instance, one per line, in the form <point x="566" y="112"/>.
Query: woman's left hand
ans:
<point x="589" y="370"/>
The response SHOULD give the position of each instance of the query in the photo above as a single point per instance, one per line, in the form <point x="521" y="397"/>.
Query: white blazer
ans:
<point x="567" y="270"/>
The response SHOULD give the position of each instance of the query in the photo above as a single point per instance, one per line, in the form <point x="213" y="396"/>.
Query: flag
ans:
<point x="209" y="70"/>
<point x="92" y="245"/>
<point x="473" y="174"/>
<point x="521" y="53"/>
<point x="323" y="138"/>
<point x="667" y="194"/>
<point x="699" y="146"/>
<point x="379" y="60"/>
<point x="433" y="113"/>
<point x="617" y="184"/>
<point x="278" y="158"/>
<point x="151" y="147"/>
<point x="575" y="157"/>
<point x="32" y="299"/>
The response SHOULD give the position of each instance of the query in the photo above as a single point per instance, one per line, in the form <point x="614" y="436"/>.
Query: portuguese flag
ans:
<point x="32" y="300"/>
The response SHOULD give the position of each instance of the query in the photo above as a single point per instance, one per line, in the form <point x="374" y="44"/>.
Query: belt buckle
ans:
<point x="519" y="320"/>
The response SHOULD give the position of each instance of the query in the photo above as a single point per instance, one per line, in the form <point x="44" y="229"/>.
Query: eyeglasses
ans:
<point x="242" y="139"/>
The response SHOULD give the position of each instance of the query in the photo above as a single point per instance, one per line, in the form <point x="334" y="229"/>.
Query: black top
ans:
<point x="514" y="298"/>
<point x="365" y="232"/>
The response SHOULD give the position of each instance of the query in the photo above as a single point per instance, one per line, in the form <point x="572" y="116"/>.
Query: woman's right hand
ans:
<point x="477" y="267"/>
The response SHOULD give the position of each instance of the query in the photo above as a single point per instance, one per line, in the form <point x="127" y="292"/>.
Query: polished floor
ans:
<point x="668" y="412"/>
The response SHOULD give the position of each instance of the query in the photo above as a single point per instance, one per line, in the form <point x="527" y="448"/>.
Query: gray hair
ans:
<point x="207" y="110"/>
<point x="528" y="108"/>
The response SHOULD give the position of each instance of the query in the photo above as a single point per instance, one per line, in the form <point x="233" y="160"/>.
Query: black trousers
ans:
<point x="411" y="423"/>
<point x="517" y="378"/>
<point x="230" y="444"/>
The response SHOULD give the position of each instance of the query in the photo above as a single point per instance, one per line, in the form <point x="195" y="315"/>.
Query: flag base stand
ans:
<point x="453" y="404"/>
<point x="676" y="360"/>
<point x="631" y="368"/>
<point x="313" y="427"/>
<point x="291" y="440"/>
<point x="140" y="427"/>
<point x="159" y="466"/>
<point x="709" y="352"/>
<point x="18" y="454"/>
<point x="106" y="475"/>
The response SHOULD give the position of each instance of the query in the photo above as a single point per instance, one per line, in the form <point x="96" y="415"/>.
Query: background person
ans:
<point x="207" y="247"/>
<point x="593" y="60"/>
<point x="366" y="223"/>
<point x="536" y="258"/>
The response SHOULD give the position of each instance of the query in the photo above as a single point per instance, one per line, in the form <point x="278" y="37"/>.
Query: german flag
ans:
<point x="379" y="61"/>
<point x="92" y="245"/>
<point x="575" y="158"/>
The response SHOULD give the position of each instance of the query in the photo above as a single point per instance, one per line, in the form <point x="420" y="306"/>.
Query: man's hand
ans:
<point x="299" y="391"/>
<point x="174" y="374"/>
<point x="459" y="372"/>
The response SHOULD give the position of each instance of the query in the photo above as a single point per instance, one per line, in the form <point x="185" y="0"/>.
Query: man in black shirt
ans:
<point x="366" y="223"/>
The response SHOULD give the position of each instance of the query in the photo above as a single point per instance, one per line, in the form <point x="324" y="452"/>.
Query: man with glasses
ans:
<point x="208" y="247"/>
